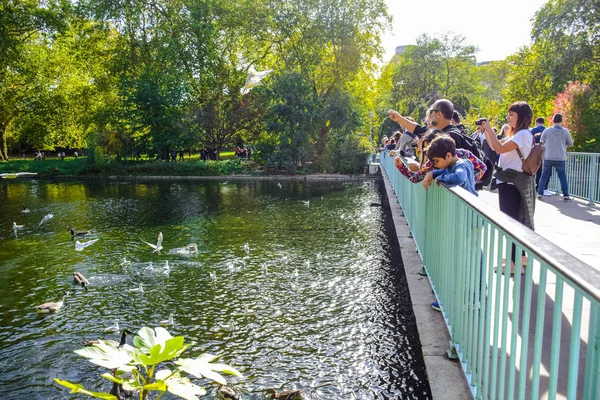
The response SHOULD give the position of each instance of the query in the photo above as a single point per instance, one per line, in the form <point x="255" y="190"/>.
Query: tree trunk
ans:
<point x="3" y="147"/>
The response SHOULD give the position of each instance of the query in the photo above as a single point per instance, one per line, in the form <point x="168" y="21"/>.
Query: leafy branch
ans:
<point x="134" y="367"/>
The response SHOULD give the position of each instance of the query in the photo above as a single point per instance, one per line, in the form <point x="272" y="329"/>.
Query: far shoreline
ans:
<point x="235" y="177"/>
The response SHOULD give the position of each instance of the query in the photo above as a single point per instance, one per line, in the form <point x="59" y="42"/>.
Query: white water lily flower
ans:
<point x="180" y="386"/>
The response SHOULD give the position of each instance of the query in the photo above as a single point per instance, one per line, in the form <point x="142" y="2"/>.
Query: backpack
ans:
<point x="534" y="160"/>
<point x="474" y="146"/>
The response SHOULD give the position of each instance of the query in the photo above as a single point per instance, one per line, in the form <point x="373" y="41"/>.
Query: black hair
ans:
<point x="525" y="114"/>
<point x="445" y="107"/>
<point x="540" y="120"/>
<point x="456" y="116"/>
<point x="440" y="146"/>
<point x="557" y="118"/>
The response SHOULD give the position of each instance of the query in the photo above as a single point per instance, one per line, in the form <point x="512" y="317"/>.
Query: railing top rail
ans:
<point x="582" y="274"/>
<point x="583" y="154"/>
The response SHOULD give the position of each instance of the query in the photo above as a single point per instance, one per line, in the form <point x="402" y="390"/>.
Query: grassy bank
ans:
<point x="80" y="167"/>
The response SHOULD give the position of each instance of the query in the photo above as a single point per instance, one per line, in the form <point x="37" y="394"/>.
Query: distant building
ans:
<point x="400" y="50"/>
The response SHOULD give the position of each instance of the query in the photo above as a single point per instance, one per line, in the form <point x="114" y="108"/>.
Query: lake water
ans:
<point x="341" y="327"/>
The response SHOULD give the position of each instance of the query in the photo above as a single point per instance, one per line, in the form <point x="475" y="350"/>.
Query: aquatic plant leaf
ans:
<point x="164" y="351"/>
<point x="180" y="386"/>
<point x="78" y="388"/>
<point x="160" y="386"/>
<point x="108" y="355"/>
<point x="147" y="338"/>
<point x="226" y="369"/>
<point x="201" y="367"/>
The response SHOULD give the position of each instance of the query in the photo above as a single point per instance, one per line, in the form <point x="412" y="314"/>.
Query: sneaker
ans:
<point x="436" y="306"/>
<point x="567" y="198"/>
<point x="547" y="193"/>
<point x="539" y="197"/>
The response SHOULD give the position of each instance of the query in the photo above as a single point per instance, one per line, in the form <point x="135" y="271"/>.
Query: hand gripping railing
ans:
<point x="529" y="336"/>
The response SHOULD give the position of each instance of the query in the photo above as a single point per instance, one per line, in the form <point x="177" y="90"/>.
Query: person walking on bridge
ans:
<point x="556" y="139"/>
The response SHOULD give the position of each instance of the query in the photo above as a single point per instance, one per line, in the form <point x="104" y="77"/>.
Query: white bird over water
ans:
<point x="166" y="268"/>
<point x="114" y="328"/>
<point x="246" y="248"/>
<point x="25" y="210"/>
<point x="82" y="245"/>
<point x="139" y="289"/>
<point x="167" y="322"/>
<point x="254" y="79"/>
<point x="16" y="175"/>
<point x="46" y="218"/>
<point x="306" y="203"/>
<point x="15" y="226"/>
<point x="352" y="242"/>
<point x="158" y="246"/>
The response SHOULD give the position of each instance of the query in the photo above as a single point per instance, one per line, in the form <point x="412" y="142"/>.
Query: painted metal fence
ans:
<point x="529" y="336"/>
<point x="583" y="174"/>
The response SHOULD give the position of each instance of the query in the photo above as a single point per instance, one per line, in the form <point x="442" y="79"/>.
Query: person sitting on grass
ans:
<point x="449" y="168"/>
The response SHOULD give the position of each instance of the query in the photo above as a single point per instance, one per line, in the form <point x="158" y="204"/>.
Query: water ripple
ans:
<point x="339" y="326"/>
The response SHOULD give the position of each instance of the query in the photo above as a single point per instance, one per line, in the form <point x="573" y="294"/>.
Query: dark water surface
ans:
<point x="339" y="328"/>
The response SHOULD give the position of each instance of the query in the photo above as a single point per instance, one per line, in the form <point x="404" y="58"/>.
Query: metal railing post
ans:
<point x="593" y="180"/>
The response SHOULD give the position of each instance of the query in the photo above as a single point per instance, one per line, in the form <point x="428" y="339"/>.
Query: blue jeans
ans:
<point x="561" y="170"/>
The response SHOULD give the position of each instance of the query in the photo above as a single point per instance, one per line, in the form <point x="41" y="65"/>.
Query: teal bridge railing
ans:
<point x="583" y="175"/>
<point x="529" y="336"/>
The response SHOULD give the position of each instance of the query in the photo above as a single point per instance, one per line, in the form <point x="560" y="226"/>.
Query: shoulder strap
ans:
<point x="519" y="151"/>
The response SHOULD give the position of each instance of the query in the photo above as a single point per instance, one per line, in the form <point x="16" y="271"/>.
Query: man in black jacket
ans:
<point x="440" y="116"/>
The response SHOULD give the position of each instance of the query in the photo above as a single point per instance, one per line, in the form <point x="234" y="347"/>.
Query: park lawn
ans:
<point x="80" y="167"/>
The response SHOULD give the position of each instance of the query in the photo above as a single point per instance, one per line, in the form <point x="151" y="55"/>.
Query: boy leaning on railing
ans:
<point x="449" y="168"/>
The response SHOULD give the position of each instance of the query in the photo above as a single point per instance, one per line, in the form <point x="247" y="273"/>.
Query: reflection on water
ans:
<point x="302" y="308"/>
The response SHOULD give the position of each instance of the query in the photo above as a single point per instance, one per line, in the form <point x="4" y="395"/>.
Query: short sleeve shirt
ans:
<point x="511" y="160"/>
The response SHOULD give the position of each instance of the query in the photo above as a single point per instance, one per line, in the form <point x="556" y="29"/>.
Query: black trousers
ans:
<point x="510" y="201"/>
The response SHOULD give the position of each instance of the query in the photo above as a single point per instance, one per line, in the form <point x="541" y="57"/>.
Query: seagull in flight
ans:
<point x="46" y="218"/>
<point x="14" y="175"/>
<point x="15" y="226"/>
<point x="158" y="247"/>
<point x="79" y="246"/>
<point x="254" y="79"/>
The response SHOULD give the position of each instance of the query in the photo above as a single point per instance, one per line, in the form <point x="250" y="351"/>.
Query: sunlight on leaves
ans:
<point x="201" y="367"/>
<point x="180" y="386"/>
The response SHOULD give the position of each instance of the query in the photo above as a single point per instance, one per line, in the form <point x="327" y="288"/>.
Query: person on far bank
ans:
<point x="516" y="189"/>
<point x="556" y="139"/>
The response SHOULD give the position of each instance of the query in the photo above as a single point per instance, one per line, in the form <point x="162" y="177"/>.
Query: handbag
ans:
<point x="534" y="160"/>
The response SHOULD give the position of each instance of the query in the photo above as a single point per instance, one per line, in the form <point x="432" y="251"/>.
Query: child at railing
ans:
<point x="450" y="168"/>
<point x="416" y="171"/>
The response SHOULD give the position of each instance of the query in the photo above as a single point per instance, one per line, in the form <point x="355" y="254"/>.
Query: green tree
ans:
<point x="21" y="23"/>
